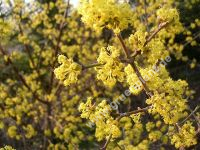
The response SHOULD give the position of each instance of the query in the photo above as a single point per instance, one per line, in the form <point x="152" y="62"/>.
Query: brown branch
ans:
<point x="190" y="115"/>
<point x="84" y="67"/>
<point x="147" y="90"/>
<point x="125" y="49"/>
<point x="137" y="52"/>
<point x="26" y="46"/>
<point x="160" y="27"/>
<point x="146" y="16"/>
<point x="124" y="115"/>
<point x="194" y="38"/>
<point x="182" y="148"/>
<point x="150" y="37"/>
<point x="119" y="146"/>
<point x="107" y="142"/>
<point x="133" y="112"/>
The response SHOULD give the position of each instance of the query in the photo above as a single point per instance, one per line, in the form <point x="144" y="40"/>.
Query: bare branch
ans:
<point x="107" y="142"/>
<point x="126" y="50"/>
<point x="190" y="115"/>
<point x="133" y="112"/>
<point x="150" y="37"/>
<point x="91" y="66"/>
<point x="160" y="27"/>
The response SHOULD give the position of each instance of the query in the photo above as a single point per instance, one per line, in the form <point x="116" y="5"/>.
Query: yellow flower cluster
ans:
<point x="137" y="40"/>
<point x="5" y="29"/>
<point x="111" y="71"/>
<point x="168" y="102"/>
<point x="155" y="135"/>
<point x="156" y="50"/>
<point x="143" y="145"/>
<point x="150" y="126"/>
<point x="132" y="79"/>
<point x="185" y="137"/>
<point x="53" y="108"/>
<point x="167" y="14"/>
<point x="68" y="71"/>
<point x="106" y="13"/>
<point x="30" y="132"/>
<point x="136" y="117"/>
<point x="135" y="83"/>
<point x="100" y="115"/>
<point x="7" y="148"/>
<point x="12" y="132"/>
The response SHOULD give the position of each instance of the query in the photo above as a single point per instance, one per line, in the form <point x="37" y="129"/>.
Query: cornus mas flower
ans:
<point x="111" y="71"/>
<point x="185" y="137"/>
<point x="68" y="71"/>
<point x="168" y="14"/>
<point x="135" y="84"/>
<point x="105" y="13"/>
<point x="168" y="102"/>
<point x="5" y="29"/>
<point x="137" y="40"/>
<point x="132" y="80"/>
<point x="100" y="115"/>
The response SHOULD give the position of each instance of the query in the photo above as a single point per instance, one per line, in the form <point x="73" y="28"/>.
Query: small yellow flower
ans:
<point x="137" y="40"/>
<point x="106" y="13"/>
<point x="185" y="137"/>
<point x="111" y="71"/>
<point x="68" y="71"/>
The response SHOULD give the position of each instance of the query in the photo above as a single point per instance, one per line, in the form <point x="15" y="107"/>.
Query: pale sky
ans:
<point x="74" y="2"/>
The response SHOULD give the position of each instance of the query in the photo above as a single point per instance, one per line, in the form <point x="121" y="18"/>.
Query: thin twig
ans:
<point x="124" y="115"/>
<point x="126" y="50"/>
<point x="29" y="53"/>
<point x="190" y="115"/>
<point x="119" y="146"/>
<point x="91" y="66"/>
<point x="147" y="90"/>
<point x="150" y="37"/>
<point x="146" y="16"/>
<point x="133" y="112"/>
<point x="107" y="142"/>
<point x="160" y="27"/>
<point x="194" y="38"/>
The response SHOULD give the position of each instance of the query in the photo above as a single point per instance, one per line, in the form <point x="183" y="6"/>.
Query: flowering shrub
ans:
<point x="95" y="77"/>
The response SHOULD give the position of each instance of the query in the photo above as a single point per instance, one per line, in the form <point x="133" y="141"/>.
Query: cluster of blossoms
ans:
<point x="7" y="148"/>
<point x="149" y="75"/>
<point x="100" y="115"/>
<point x="111" y="71"/>
<point x="138" y="39"/>
<point x="106" y="13"/>
<point x="5" y="28"/>
<point x="168" y="102"/>
<point x="185" y="136"/>
<point x="135" y="84"/>
<point x="168" y="14"/>
<point x="68" y="71"/>
<point x="156" y="50"/>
